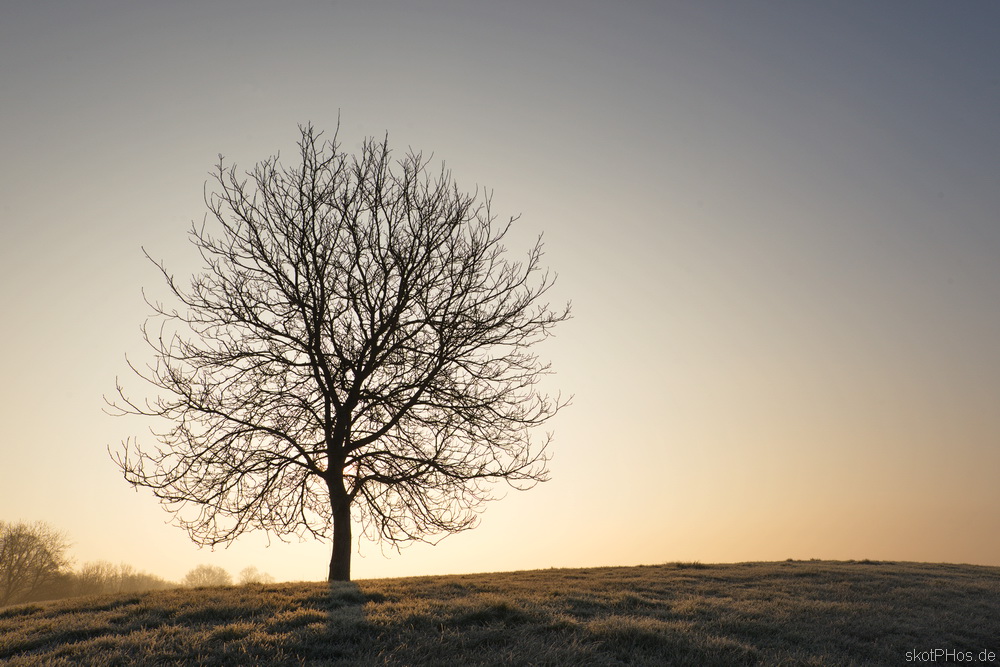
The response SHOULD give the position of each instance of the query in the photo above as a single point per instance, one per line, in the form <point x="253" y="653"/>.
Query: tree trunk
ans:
<point x="340" y="561"/>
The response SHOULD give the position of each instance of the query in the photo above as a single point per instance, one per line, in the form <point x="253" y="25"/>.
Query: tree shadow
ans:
<point x="338" y="633"/>
<point x="345" y="603"/>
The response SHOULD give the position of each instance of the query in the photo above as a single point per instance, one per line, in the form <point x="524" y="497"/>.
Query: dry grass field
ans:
<point x="786" y="613"/>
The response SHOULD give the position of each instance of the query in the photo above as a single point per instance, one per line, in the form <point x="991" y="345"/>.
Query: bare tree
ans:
<point x="207" y="575"/>
<point x="97" y="577"/>
<point x="251" y="575"/>
<point x="31" y="555"/>
<point x="357" y="339"/>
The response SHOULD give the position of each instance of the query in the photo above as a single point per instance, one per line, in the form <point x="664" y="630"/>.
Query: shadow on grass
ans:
<point x="328" y="626"/>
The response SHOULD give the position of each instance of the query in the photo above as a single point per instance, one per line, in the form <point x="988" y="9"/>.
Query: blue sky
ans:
<point x="777" y="223"/>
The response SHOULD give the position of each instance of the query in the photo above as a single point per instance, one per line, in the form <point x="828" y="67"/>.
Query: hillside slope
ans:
<point x="809" y="613"/>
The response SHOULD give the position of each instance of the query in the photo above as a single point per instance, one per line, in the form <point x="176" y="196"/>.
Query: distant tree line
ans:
<point x="34" y="566"/>
<point x="101" y="577"/>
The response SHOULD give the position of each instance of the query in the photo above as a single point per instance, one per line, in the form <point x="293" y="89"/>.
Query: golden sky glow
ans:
<point x="778" y="226"/>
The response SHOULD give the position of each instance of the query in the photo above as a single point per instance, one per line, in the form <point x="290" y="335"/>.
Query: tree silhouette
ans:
<point x="207" y="575"/>
<point x="251" y="575"/>
<point x="97" y="577"/>
<point x="356" y="339"/>
<point x="31" y="555"/>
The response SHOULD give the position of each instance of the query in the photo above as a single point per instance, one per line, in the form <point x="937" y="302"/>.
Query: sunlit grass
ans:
<point x="803" y="613"/>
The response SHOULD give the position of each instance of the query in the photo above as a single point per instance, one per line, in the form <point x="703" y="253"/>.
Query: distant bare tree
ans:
<point x="126" y="578"/>
<point x="251" y="575"/>
<point x="357" y="339"/>
<point x="97" y="577"/>
<point x="31" y="555"/>
<point x="207" y="575"/>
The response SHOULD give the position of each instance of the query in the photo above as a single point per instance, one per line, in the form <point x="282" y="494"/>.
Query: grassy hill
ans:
<point x="788" y="613"/>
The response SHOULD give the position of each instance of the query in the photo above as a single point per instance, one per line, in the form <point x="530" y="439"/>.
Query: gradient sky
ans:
<point x="778" y="222"/>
